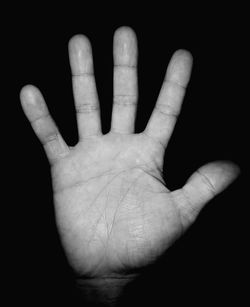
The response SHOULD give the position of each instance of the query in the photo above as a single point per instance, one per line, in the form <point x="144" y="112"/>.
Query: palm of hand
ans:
<point x="113" y="210"/>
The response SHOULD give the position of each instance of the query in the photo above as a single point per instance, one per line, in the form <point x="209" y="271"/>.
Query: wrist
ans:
<point x="103" y="291"/>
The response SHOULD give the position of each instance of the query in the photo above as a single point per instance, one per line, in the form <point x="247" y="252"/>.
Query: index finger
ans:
<point x="168" y="105"/>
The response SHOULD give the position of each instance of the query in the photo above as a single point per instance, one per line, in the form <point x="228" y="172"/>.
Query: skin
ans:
<point x="113" y="210"/>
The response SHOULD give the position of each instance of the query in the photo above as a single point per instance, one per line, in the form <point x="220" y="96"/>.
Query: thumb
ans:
<point x="202" y="186"/>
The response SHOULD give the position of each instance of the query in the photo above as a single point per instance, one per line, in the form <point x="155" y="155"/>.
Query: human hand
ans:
<point x="113" y="210"/>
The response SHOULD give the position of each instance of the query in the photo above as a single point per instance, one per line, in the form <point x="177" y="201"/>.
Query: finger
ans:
<point x="168" y="105"/>
<point x="84" y="87"/>
<point x="202" y="186"/>
<point x="43" y="125"/>
<point x="125" y="81"/>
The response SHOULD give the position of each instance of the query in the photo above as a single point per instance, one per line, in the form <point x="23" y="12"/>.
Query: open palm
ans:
<point x="113" y="210"/>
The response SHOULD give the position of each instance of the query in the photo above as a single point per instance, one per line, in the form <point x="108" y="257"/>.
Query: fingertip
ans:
<point x="228" y="168"/>
<point x="125" y="46"/>
<point x="125" y="32"/>
<point x="28" y="94"/>
<point x="220" y="173"/>
<point x="182" y="57"/>
<point x="32" y="102"/>
<point x="184" y="53"/>
<point x="180" y="66"/>
<point x="80" y="53"/>
<point x="78" y="41"/>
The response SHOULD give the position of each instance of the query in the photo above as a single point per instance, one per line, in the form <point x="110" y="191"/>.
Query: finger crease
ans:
<point x="40" y="117"/>
<point x="125" y="100"/>
<point x="208" y="182"/>
<point x="83" y="74"/>
<point x="166" y="110"/>
<point x="86" y="108"/>
<point x="175" y="83"/>
<point x="51" y="137"/>
<point x="125" y="65"/>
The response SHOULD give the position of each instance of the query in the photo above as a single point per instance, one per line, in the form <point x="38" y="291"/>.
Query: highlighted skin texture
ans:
<point x="113" y="210"/>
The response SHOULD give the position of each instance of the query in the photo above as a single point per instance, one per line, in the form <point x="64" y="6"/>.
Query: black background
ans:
<point x="206" y="265"/>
